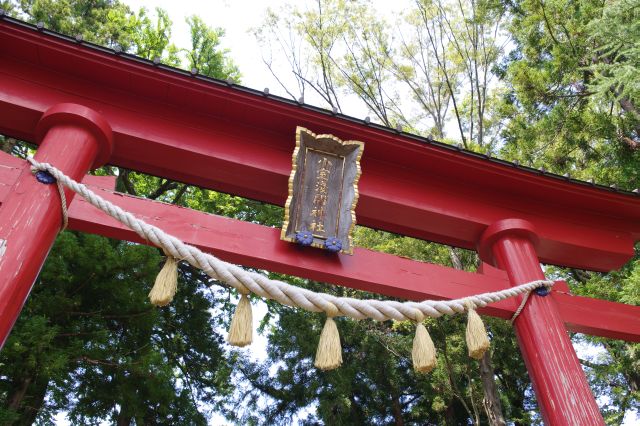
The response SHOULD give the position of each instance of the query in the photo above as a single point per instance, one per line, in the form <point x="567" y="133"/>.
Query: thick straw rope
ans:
<point x="63" y="204"/>
<point x="246" y="281"/>
<point x="520" y="308"/>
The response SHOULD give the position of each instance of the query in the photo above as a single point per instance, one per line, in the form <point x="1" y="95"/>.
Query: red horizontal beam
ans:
<point x="214" y="136"/>
<point x="588" y="315"/>
<point x="260" y="247"/>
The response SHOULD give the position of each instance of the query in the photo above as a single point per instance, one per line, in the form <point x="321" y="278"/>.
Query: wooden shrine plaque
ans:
<point x="323" y="192"/>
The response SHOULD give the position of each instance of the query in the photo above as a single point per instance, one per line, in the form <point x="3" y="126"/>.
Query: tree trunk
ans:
<point x="124" y="415"/>
<point x="629" y="107"/>
<point x="357" y="416"/>
<point x="123" y="419"/>
<point x="15" y="400"/>
<point x="450" y="413"/>
<point x="634" y="381"/>
<point x="517" y="407"/>
<point x="491" y="400"/>
<point x="28" y="399"/>
<point x="397" y="411"/>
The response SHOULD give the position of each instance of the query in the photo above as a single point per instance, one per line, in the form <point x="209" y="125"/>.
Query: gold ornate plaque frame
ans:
<point x="323" y="190"/>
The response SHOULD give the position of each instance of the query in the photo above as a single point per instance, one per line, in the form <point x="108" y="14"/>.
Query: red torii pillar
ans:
<point x="74" y="139"/>
<point x="561" y="388"/>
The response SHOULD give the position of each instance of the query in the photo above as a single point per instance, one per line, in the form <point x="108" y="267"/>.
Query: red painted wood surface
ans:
<point x="562" y="390"/>
<point x="30" y="217"/>
<point x="366" y="270"/>
<point x="228" y="139"/>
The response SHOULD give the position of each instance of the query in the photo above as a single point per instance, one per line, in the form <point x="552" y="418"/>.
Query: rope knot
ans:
<point x="244" y="291"/>
<point x="331" y="310"/>
<point x="543" y="289"/>
<point x="43" y="175"/>
<point x="418" y="316"/>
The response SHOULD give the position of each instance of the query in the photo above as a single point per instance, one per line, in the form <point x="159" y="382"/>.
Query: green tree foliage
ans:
<point x="104" y="22"/>
<point x="617" y="68"/>
<point x="206" y="55"/>
<point x="89" y="342"/>
<point x="571" y="109"/>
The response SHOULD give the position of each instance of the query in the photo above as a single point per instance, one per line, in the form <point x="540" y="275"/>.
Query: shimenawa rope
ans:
<point x="251" y="282"/>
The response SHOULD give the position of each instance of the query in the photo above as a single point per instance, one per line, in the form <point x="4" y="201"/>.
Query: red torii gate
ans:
<point x="87" y="105"/>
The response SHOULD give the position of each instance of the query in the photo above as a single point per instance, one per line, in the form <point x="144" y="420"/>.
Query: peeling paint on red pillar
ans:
<point x="74" y="139"/>
<point x="561" y="388"/>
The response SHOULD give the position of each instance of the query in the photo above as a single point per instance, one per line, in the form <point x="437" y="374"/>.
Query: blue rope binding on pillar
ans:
<point x="45" y="177"/>
<point x="542" y="291"/>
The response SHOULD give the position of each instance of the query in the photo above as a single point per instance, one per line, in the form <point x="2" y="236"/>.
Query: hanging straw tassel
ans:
<point x="241" y="329"/>
<point x="477" y="339"/>
<point x="166" y="283"/>
<point x="329" y="353"/>
<point x="423" y="353"/>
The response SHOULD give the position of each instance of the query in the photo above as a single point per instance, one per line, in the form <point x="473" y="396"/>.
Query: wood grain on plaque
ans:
<point x="323" y="189"/>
